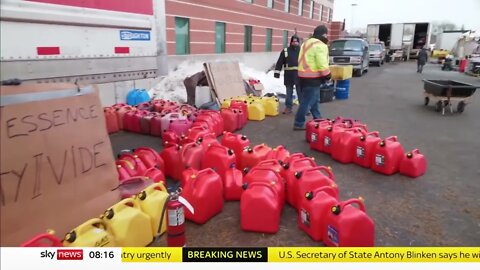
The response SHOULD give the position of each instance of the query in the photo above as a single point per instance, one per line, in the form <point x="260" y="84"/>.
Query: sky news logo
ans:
<point x="63" y="254"/>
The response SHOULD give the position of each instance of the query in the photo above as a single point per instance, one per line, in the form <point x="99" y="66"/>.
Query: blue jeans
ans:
<point x="289" y="97"/>
<point x="309" y="101"/>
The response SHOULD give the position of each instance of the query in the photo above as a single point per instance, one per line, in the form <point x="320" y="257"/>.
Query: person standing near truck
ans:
<point x="422" y="59"/>
<point x="288" y="60"/>
<point x="313" y="70"/>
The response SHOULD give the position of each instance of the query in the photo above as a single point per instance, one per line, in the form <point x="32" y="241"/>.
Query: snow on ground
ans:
<point x="171" y="87"/>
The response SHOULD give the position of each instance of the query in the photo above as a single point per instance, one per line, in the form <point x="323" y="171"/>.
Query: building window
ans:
<point x="249" y="1"/>
<point x="247" y="42"/>
<point x="182" y="35"/>
<point x="320" y="16"/>
<point x="268" y="42"/>
<point x="300" y="7"/>
<point x="270" y="3"/>
<point x="219" y="37"/>
<point x="285" y="38"/>
<point x="329" y="15"/>
<point x="287" y="6"/>
<point x="312" y="8"/>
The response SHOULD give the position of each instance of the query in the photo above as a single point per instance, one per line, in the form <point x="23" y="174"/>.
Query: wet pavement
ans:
<point x="441" y="208"/>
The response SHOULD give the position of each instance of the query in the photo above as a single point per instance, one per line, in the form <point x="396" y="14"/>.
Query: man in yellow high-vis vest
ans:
<point x="313" y="71"/>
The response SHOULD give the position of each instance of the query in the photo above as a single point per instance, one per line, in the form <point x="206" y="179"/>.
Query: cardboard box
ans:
<point x="56" y="160"/>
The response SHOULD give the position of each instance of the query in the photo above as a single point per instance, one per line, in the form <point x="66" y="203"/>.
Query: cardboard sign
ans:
<point x="226" y="78"/>
<point x="57" y="168"/>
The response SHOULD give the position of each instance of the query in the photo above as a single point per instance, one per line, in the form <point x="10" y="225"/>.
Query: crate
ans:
<point x="327" y="94"/>
<point x="341" y="72"/>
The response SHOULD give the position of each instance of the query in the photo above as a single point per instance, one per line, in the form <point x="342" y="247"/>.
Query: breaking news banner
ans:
<point x="241" y="258"/>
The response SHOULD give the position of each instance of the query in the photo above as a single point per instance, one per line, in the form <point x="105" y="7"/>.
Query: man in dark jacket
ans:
<point x="422" y="59"/>
<point x="288" y="60"/>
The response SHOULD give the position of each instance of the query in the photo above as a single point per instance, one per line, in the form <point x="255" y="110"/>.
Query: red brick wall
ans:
<point x="336" y="31"/>
<point x="236" y="14"/>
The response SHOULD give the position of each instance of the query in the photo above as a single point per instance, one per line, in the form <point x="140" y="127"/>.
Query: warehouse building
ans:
<point x="241" y="26"/>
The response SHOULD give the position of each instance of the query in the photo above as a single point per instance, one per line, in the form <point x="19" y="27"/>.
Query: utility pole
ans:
<point x="353" y="9"/>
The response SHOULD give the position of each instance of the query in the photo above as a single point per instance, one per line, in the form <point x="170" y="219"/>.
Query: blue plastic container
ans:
<point x="137" y="96"/>
<point x="342" y="90"/>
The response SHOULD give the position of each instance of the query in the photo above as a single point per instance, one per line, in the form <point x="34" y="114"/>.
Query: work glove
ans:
<point x="328" y="77"/>
<point x="276" y="75"/>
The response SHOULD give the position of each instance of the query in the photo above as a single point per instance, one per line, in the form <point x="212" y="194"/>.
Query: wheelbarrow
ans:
<point x="445" y="92"/>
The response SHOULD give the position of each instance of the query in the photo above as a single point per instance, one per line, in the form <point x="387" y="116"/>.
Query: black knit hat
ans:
<point x="295" y="37"/>
<point x="320" y="31"/>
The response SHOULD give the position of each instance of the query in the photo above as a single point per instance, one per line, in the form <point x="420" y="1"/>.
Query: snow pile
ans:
<point x="172" y="88"/>
<point x="270" y="83"/>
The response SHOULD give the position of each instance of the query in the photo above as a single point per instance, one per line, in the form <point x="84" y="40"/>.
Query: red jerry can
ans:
<point x="267" y="175"/>
<point x="232" y="184"/>
<point x="363" y="148"/>
<point x="348" y="226"/>
<point x="111" y="120"/>
<point x="156" y="175"/>
<point x="204" y="124"/>
<point x="343" y="148"/>
<point x="207" y="140"/>
<point x="387" y="156"/>
<point x="197" y="132"/>
<point x="169" y="118"/>
<point x="128" y="119"/>
<point x="236" y="142"/>
<point x="279" y="153"/>
<point x="125" y="169"/>
<point x="252" y="156"/>
<point x="186" y="175"/>
<point x="413" y="164"/>
<point x="323" y="132"/>
<point x="158" y="104"/>
<point x="131" y="121"/>
<point x="156" y="125"/>
<point x="291" y="169"/>
<point x="121" y="112"/>
<point x="240" y="104"/>
<point x="146" y="122"/>
<point x="191" y="156"/>
<point x="213" y="119"/>
<point x="173" y="161"/>
<point x="138" y="165"/>
<point x="119" y="105"/>
<point x="47" y="239"/>
<point x="230" y="119"/>
<point x="219" y="158"/>
<point x="260" y="209"/>
<point x="311" y="126"/>
<point x="310" y="179"/>
<point x="242" y="117"/>
<point x="313" y="208"/>
<point x="150" y="157"/>
<point x="205" y="194"/>
<point x="294" y="156"/>
<point x="273" y="164"/>
<point x="130" y="187"/>
<point x="180" y="126"/>
<point x="170" y="136"/>
<point x="144" y="106"/>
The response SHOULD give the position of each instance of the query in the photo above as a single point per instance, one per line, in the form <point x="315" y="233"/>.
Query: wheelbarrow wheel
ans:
<point x="427" y="100"/>
<point x="439" y="106"/>
<point x="461" y="106"/>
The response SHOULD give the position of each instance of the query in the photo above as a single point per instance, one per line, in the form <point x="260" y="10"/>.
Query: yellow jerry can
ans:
<point x="93" y="233"/>
<point x="256" y="111"/>
<point x="129" y="224"/>
<point x="226" y="103"/>
<point x="271" y="106"/>
<point x="152" y="201"/>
